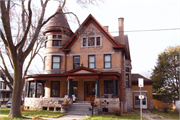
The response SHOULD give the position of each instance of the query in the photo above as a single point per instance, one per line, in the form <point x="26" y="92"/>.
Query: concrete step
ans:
<point x="80" y="108"/>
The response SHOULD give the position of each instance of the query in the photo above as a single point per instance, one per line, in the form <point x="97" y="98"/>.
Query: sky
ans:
<point x="139" y="15"/>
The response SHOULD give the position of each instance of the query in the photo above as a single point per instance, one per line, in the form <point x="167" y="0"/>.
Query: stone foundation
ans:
<point x="52" y="104"/>
<point x="107" y="105"/>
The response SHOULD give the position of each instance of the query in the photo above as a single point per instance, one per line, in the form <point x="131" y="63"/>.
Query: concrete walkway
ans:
<point x="152" y="116"/>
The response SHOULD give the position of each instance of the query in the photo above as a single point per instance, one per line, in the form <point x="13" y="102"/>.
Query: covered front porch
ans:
<point x="83" y="83"/>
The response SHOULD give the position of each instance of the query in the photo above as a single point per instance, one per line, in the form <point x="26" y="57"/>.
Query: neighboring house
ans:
<point x="90" y="64"/>
<point x="147" y="102"/>
<point x="5" y="92"/>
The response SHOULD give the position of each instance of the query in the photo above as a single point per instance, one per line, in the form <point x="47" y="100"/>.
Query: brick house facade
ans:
<point x="90" y="64"/>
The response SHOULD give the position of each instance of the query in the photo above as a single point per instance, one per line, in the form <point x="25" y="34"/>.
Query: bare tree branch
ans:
<point x="28" y="26"/>
<point x="6" y="70"/>
<point x="2" y="72"/>
<point x="3" y="38"/>
<point x="6" y="24"/>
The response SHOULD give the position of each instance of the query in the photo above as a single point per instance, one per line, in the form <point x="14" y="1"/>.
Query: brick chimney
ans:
<point x="106" y="28"/>
<point x="121" y="30"/>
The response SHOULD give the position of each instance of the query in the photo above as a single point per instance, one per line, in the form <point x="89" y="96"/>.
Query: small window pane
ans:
<point x="91" y="41"/>
<point x="91" y="65"/>
<point x="107" y="58"/>
<point x="98" y="41"/>
<point x="84" y="41"/>
<point x="107" y="65"/>
<point x="55" y="65"/>
<point x="91" y="59"/>
<point x="56" y="59"/>
<point x="54" y="36"/>
<point x="137" y="101"/>
<point x="56" y="43"/>
<point x="59" y="36"/>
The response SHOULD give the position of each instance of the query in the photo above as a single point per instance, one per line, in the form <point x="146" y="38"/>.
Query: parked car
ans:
<point x="8" y="104"/>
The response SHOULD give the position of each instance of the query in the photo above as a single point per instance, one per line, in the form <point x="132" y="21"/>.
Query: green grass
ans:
<point x="172" y="114"/>
<point x="42" y="113"/>
<point x="128" y="116"/>
<point x="17" y="118"/>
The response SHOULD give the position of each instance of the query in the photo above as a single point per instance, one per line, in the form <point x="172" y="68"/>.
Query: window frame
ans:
<point x="74" y="62"/>
<point x="58" y="62"/>
<point x="106" y="82"/>
<point x="58" y="95"/>
<point x="92" y="62"/>
<point x="108" y="62"/>
<point x="53" y="44"/>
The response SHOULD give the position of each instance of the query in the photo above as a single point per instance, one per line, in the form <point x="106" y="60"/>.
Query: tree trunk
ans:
<point x="17" y="91"/>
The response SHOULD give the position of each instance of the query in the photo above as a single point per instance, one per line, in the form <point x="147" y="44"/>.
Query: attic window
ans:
<point x="94" y="41"/>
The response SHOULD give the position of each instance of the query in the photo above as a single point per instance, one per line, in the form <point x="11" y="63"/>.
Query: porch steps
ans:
<point x="80" y="108"/>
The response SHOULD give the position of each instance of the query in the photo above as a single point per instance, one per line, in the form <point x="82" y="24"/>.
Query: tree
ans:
<point x="165" y="75"/>
<point x="17" y="49"/>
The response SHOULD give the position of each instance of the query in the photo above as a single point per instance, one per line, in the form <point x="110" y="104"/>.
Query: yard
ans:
<point x="42" y="113"/>
<point x="128" y="116"/>
<point x="172" y="114"/>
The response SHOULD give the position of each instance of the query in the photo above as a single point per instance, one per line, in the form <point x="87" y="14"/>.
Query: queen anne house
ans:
<point x="88" y="64"/>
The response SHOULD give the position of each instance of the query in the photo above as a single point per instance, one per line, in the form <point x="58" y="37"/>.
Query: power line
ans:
<point x="147" y="30"/>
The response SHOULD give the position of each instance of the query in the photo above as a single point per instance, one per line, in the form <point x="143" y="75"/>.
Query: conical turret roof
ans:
<point x="59" y="20"/>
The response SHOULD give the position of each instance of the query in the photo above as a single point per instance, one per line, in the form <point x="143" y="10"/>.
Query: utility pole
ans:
<point x="141" y="84"/>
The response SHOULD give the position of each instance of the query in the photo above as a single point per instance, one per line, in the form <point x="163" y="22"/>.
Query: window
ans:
<point x="56" y="42"/>
<point x="91" y="41"/>
<point x="56" y="62"/>
<point x="59" y="36"/>
<point x="127" y="80"/>
<point x="75" y="88"/>
<point x="137" y="100"/>
<point x="98" y="41"/>
<point x="108" y="87"/>
<point x="127" y="69"/>
<point x="92" y="61"/>
<point x="107" y="61"/>
<point x="54" y="36"/>
<point x="55" y="88"/>
<point x="76" y="62"/>
<point x="84" y="41"/>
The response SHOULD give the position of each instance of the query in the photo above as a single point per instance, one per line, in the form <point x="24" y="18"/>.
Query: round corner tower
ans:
<point x="57" y="34"/>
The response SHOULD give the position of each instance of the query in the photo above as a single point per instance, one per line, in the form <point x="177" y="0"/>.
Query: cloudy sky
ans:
<point x="145" y="22"/>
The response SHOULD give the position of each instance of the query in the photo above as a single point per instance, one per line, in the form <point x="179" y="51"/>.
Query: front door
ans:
<point x="89" y="91"/>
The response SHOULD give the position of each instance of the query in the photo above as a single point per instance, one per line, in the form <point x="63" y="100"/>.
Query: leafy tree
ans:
<point x="165" y="75"/>
<point x="18" y="48"/>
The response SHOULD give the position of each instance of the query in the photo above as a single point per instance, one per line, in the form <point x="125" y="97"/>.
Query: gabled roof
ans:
<point x="134" y="79"/>
<point x="91" y="19"/>
<point x="82" y="70"/>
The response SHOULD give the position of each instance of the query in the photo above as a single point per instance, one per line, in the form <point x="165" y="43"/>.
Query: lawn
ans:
<point x="42" y="113"/>
<point x="172" y="114"/>
<point x="128" y="116"/>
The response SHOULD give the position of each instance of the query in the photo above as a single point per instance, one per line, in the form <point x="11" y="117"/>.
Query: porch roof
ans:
<point x="78" y="73"/>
